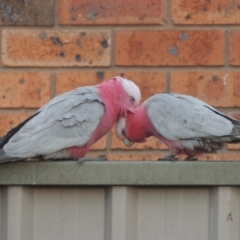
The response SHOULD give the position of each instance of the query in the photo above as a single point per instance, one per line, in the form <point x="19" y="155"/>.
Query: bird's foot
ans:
<point x="91" y="159"/>
<point x="189" y="159"/>
<point x="101" y="158"/>
<point x="171" y="158"/>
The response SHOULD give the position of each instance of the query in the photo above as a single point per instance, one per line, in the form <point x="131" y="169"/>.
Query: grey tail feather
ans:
<point x="4" y="158"/>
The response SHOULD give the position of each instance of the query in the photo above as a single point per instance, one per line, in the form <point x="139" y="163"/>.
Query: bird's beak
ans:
<point x="131" y="109"/>
<point x="127" y="142"/>
<point x="125" y="111"/>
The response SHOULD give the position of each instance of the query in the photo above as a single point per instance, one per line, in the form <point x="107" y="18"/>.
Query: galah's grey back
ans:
<point x="178" y="117"/>
<point x="67" y="120"/>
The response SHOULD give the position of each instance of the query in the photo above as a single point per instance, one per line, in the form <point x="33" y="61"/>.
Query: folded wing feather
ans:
<point x="68" y="120"/>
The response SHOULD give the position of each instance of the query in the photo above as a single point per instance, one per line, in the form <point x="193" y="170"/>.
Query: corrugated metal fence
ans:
<point x="81" y="208"/>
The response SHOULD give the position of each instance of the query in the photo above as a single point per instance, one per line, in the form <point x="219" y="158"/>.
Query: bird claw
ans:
<point x="102" y="158"/>
<point x="171" y="158"/>
<point x="189" y="159"/>
<point x="91" y="159"/>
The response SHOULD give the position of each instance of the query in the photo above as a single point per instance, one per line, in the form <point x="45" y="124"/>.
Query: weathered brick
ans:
<point x="153" y="155"/>
<point x="10" y="120"/>
<point x="67" y="81"/>
<point x="220" y="157"/>
<point x="149" y="82"/>
<point x="55" y="48"/>
<point x="219" y="89"/>
<point x="235" y="115"/>
<point x="134" y="156"/>
<point x="206" y="12"/>
<point x="234" y="50"/>
<point x="18" y="89"/>
<point x="169" y="48"/>
<point x="111" y="12"/>
<point x="25" y="12"/>
<point x="235" y="146"/>
<point x="151" y="143"/>
<point x="100" y="144"/>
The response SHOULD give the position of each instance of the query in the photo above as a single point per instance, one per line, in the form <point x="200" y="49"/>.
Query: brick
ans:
<point x="100" y="144"/>
<point x="169" y="48"/>
<point x="234" y="50"/>
<point x="55" y="48"/>
<point x="15" y="12"/>
<point x="235" y="146"/>
<point x="29" y="90"/>
<point x="149" y="82"/>
<point x="151" y="143"/>
<point x="155" y="155"/>
<point x="134" y="156"/>
<point x="220" y="157"/>
<point x="10" y="120"/>
<point x="67" y="81"/>
<point x="219" y="89"/>
<point x="111" y="12"/>
<point x="206" y="12"/>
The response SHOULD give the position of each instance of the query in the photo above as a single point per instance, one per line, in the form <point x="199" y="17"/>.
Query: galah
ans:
<point x="185" y="124"/>
<point x="68" y="125"/>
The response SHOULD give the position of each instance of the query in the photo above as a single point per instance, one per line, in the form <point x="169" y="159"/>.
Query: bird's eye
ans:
<point x="124" y="133"/>
<point x="132" y="99"/>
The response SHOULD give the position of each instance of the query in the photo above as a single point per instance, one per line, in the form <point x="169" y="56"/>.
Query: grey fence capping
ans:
<point x="121" y="173"/>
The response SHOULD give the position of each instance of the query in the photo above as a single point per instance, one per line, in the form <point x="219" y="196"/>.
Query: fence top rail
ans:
<point x="69" y="173"/>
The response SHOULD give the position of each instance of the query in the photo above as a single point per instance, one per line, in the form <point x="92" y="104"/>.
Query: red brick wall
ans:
<point x="184" y="46"/>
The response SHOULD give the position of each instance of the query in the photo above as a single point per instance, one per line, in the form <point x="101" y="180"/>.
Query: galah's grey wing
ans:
<point x="68" y="120"/>
<point x="179" y="117"/>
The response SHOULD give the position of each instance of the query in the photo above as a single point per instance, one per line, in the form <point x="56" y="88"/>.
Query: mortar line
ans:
<point x="226" y="48"/>
<point x="52" y="85"/>
<point x="123" y="68"/>
<point x="168" y="81"/>
<point x="56" y="6"/>
<point x="153" y="26"/>
<point x="112" y="54"/>
<point x="168" y="24"/>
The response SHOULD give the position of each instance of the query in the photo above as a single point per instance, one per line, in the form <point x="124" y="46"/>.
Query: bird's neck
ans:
<point x="107" y="89"/>
<point x="110" y="89"/>
<point x="139" y="126"/>
<point x="110" y="92"/>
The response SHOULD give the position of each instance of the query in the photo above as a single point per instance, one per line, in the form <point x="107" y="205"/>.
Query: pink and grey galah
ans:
<point x="185" y="124"/>
<point x="68" y="125"/>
